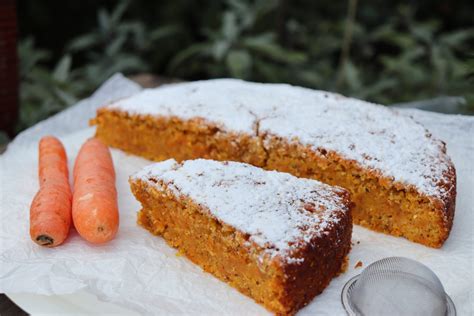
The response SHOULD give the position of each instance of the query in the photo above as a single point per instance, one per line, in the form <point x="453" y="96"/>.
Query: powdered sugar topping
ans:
<point x="277" y="210"/>
<point x="373" y="136"/>
<point x="189" y="101"/>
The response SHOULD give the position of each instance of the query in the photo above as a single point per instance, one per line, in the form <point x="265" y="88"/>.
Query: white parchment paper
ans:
<point x="141" y="272"/>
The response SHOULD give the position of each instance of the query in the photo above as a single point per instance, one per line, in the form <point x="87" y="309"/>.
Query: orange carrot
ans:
<point x="50" y="211"/>
<point x="94" y="207"/>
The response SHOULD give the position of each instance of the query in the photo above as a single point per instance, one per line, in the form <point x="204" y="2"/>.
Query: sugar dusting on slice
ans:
<point x="374" y="136"/>
<point x="277" y="210"/>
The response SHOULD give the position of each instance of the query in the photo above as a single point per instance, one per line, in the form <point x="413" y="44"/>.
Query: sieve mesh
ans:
<point x="396" y="286"/>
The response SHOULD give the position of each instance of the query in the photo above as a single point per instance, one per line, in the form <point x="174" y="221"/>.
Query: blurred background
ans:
<point x="408" y="53"/>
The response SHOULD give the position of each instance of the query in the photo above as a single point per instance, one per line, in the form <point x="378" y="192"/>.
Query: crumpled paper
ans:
<point x="139" y="271"/>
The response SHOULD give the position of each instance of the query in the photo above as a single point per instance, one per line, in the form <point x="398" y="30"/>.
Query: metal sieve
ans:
<point x="396" y="286"/>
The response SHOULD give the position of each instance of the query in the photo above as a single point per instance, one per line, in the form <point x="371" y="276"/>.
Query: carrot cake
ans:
<point x="400" y="178"/>
<point x="274" y="237"/>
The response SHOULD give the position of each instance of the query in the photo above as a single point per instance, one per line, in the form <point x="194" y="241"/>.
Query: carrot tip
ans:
<point x="44" y="240"/>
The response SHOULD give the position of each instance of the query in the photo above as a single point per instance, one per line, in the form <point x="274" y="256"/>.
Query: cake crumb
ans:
<point x="359" y="264"/>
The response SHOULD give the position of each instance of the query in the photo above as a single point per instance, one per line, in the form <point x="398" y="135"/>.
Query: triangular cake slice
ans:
<point x="276" y="238"/>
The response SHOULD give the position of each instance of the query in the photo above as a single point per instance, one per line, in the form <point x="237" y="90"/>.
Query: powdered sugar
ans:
<point x="188" y="101"/>
<point x="277" y="210"/>
<point x="374" y="136"/>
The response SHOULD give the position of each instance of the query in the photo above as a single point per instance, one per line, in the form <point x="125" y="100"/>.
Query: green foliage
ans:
<point x="397" y="53"/>
<point x="235" y="49"/>
<point x="114" y="46"/>
<point x="426" y="62"/>
<point x="421" y="62"/>
<point x="43" y="91"/>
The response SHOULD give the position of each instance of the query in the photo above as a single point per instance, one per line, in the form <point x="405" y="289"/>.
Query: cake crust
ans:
<point x="280" y="264"/>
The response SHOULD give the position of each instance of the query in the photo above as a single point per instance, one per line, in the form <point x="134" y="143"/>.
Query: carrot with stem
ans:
<point x="94" y="207"/>
<point x="50" y="211"/>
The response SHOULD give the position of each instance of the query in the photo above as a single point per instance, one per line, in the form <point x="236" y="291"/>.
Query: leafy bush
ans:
<point x="422" y="62"/>
<point x="390" y="54"/>
<point x="234" y="50"/>
<point x="44" y="92"/>
<point x="114" y="46"/>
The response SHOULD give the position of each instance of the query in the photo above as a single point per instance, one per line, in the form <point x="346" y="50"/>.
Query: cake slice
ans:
<point x="274" y="237"/>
